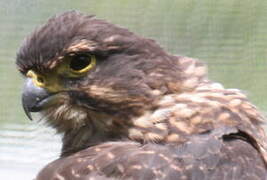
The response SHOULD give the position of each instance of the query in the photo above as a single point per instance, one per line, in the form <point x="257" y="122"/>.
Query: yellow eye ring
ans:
<point x="82" y="63"/>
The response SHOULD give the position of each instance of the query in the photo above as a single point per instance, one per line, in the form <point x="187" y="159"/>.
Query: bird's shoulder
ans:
<point x="211" y="155"/>
<point x="178" y="116"/>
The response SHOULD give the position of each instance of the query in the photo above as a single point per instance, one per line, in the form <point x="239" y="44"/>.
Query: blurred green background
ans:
<point x="230" y="36"/>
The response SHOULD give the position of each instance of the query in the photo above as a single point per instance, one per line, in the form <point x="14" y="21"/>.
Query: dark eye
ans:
<point x="79" y="62"/>
<point x="82" y="63"/>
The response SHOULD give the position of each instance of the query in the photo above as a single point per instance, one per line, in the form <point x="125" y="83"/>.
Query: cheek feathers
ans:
<point x="65" y="116"/>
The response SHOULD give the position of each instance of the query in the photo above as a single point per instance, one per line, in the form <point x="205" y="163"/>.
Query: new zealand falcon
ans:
<point x="127" y="109"/>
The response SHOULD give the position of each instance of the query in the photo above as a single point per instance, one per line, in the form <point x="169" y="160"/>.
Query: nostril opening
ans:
<point x="40" y="79"/>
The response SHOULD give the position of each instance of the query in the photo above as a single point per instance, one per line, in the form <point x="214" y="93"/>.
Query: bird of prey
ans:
<point x="127" y="109"/>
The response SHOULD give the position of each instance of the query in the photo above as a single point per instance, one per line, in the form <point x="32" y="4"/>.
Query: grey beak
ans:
<point x="31" y="97"/>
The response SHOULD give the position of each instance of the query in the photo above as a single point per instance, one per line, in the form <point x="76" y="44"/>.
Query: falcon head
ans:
<point x="85" y="73"/>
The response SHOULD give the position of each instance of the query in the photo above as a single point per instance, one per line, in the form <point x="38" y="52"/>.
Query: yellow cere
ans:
<point x="50" y="81"/>
<point x="37" y="79"/>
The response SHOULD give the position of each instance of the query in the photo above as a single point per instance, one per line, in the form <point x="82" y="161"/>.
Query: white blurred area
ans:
<point x="25" y="149"/>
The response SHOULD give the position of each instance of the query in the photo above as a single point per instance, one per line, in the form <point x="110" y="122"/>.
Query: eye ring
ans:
<point x="82" y="63"/>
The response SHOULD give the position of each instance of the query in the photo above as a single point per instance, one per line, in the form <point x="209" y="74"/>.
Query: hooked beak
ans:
<point x="34" y="98"/>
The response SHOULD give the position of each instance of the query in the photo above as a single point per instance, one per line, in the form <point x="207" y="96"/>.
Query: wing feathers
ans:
<point x="214" y="155"/>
